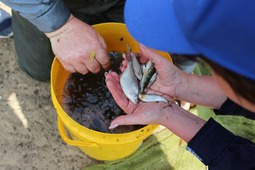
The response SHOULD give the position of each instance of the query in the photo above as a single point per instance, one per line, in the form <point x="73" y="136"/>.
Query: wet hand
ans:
<point x="169" y="78"/>
<point x="169" y="115"/>
<point x="141" y="113"/>
<point x="79" y="47"/>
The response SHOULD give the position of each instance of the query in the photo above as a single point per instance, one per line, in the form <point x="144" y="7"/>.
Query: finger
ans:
<point x="124" y="63"/>
<point x="116" y="91"/>
<point x="130" y="119"/>
<point x="140" y="58"/>
<point x="151" y="55"/>
<point x="69" y="67"/>
<point x="102" y="57"/>
<point x="81" y="68"/>
<point x="91" y="65"/>
<point x="116" y="76"/>
<point x="124" y="56"/>
<point x="122" y="68"/>
<point x="101" y="40"/>
<point x="105" y="63"/>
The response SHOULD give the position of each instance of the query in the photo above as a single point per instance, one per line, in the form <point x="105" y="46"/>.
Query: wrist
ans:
<point x="181" y="122"/>
<point x="182" y="86"/>
<point x="62" y="29"/>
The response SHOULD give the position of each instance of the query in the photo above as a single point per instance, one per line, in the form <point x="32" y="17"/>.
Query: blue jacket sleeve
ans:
<point x="46" y="15"/>
<point x="219" y="149"/>
<point x="231" y="108"/>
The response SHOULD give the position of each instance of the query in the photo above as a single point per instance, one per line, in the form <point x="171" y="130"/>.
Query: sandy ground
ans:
<point x="29" y="138"/>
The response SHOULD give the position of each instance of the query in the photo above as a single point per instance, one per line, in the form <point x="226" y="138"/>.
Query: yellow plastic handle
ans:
<point x="69" y="141"/>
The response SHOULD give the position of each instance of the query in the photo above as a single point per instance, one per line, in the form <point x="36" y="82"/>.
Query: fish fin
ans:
<point x="128" y="53"/>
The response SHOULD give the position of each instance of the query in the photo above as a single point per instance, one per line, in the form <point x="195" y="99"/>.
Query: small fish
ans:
<point x="153" y="79"/>
<point x="152" y="98"/>
<point x="136" y="64"/>
<point x="128" y="81"/>
<point x="143" y="67"/>
<point x="147" y="74"/>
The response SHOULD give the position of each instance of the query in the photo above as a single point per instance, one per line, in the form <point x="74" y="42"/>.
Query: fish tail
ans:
<point x="128" y="53"/>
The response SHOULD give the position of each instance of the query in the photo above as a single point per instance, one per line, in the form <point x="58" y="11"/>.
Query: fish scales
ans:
<point x="136" y="65"/>
<point x="152" y="98"/>
<point x="128" y="81"/>
<point x="148" y="73"/>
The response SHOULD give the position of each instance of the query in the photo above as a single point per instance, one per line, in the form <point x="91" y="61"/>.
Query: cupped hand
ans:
<point x="169" y="79"/>
<point x="169" y="115"/>
<point x="141" y="113"/>
<point x="79" y="47"/>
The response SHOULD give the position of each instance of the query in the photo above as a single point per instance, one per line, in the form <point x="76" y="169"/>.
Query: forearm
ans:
<point x="201" y="90"/>
<point x="214" y="145"/>
<point x="46" y="15"/>
<point x="180" y="122"/>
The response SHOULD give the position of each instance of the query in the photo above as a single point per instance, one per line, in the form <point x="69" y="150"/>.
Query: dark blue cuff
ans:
<point x="231" y="108"/>
<point x="210" y="141"/>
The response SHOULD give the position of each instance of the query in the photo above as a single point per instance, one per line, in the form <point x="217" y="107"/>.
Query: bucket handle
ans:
<point x="69" y="141"/>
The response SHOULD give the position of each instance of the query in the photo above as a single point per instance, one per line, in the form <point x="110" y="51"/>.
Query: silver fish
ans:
<point x="152" y="98"/>
<point x="153" y="79"/>
<point x="143" y="67"/>
<point x="128" y="81"/>
<point x="147" y="74"/>
<point x="136" y="64"/>
<point x="154" y="76"/>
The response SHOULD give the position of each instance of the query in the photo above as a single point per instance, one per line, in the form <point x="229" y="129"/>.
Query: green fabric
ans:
<point x="165" y="151"/>
<point x="161" y="151"/>
<point x="202" y="69"/>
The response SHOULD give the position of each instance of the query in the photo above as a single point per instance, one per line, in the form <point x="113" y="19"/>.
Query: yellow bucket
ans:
<point x="98" y="145"/>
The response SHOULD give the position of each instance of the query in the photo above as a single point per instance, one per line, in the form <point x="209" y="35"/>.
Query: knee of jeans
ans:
<point x="37" y="73"/>
<point x="43" y="78"/>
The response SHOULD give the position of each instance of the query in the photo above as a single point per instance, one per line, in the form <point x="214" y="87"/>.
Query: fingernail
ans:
<point x="107" y="72"/>
<point x="113" y="126"/>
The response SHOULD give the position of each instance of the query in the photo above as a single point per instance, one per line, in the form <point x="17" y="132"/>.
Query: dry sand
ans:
<point x="29" y="138"/>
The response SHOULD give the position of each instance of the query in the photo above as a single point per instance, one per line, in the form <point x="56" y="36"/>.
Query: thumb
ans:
<point x="152" y="55"/>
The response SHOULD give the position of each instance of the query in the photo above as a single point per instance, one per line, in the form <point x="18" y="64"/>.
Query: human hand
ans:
<point x="169" y="114"/>
<point x="169" y="78"/>
<point x="74" y="43"/>
<point x="140" y="113"/>
<point x="199" y="90"/>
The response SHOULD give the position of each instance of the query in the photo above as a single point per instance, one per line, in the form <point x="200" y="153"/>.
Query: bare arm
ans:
<point x="201" y="90"/>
